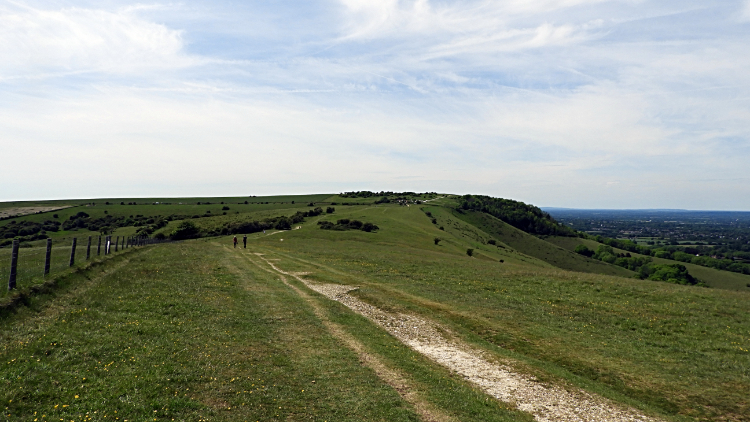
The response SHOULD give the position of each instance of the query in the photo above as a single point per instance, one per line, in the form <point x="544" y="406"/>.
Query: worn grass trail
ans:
<point x="209" y="338"/>
<point x="197" y="332"/>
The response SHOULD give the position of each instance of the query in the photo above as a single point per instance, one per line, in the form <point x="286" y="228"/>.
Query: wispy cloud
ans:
<point x="546" y="101"/>
<point x="745" y="11"/>
<point x="34" y="40"/>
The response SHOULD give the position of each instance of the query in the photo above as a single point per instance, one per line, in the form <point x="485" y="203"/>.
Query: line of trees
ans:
<point x="642" y="265"/>
<point x="189" y="230"/>
<point x="347" y="224"/>
<point x="522" y="216"/>
<point x="678" y="253"/>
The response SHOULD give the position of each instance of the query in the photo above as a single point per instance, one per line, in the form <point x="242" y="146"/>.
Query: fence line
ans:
<point x="24" y="267"/>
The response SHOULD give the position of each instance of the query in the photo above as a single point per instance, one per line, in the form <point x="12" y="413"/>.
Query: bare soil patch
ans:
<point x="20" y="211"/>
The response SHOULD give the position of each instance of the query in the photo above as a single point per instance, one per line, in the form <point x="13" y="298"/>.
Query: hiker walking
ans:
<point x="244" y="241"/>
<point x="235" y="241"/>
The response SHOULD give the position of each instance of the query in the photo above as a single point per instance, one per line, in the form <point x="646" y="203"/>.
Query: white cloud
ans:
<point x="38" y="41"/>
<point x="745" y="12"/>
<point x="544" y="100"/>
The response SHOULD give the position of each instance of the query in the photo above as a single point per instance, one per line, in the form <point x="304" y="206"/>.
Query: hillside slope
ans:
<point x="538" y="248"/>
<point x="712" y="277"/>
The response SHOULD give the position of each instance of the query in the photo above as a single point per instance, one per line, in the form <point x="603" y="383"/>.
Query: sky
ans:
<point x="558" y="103"/>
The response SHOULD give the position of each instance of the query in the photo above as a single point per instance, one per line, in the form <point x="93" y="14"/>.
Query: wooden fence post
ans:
<point x="88" y="249"/>
<point x="99" y="248"/>
<point x="73" y="253"/>
<point x="48" y="258"/>
<point x="13" y="265"/>
<point x="123" y="243"/>
<point x="117" y="243"/>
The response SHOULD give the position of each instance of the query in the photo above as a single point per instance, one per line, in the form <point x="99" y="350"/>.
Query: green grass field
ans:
<point x="198" y="330"/>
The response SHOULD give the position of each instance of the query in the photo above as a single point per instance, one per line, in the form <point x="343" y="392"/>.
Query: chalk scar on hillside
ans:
<point x="548" y="403"/>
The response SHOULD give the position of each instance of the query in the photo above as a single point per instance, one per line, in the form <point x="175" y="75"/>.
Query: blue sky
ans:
<point x="568" y="103"/>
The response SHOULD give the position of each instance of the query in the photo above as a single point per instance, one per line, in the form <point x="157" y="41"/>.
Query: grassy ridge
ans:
<point x="642" y="342"/>
<point x="167" y="206"/>
<point x="196" y="331"/>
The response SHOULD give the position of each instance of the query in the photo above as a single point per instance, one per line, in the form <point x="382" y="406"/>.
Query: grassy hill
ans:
<point x="711" y="276"/>
<point x="198" y="330"/>
<point x="538" y="248"/>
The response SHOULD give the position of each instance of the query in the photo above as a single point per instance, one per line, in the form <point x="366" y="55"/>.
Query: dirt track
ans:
<point x="546" y="402"/>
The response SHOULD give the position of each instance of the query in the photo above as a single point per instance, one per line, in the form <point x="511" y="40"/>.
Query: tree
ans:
<point x="470" y="252"/>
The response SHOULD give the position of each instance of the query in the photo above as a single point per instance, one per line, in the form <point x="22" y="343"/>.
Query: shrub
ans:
<point x="55" y="216"/>
<point x="470" y="252"/>
<point x="491" y="242"/>
<point x="434" y="221"/>
<point x="283" y="224"/>
<point x="225" y="208"/>
<point x="325" y="225"/>
<point x="186" y="230"/>
<point x="355" y="224"/>
<point x="671" y="273"/>
<point x="369" y="227"/>
<point x="343" y="221"/>
<point x="330" y="210"/>
<point x="442" y="228"/>
<point x="437" y="240"/>
<point x="584" y="250"/>
<point x="310" y="204"/>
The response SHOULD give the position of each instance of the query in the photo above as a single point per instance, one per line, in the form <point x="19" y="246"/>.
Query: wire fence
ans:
<point x="27" y="266"/>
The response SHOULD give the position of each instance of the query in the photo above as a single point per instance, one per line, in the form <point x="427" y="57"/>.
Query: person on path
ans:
<point x="235" y="241"/>
<point x="244" y="241"/>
